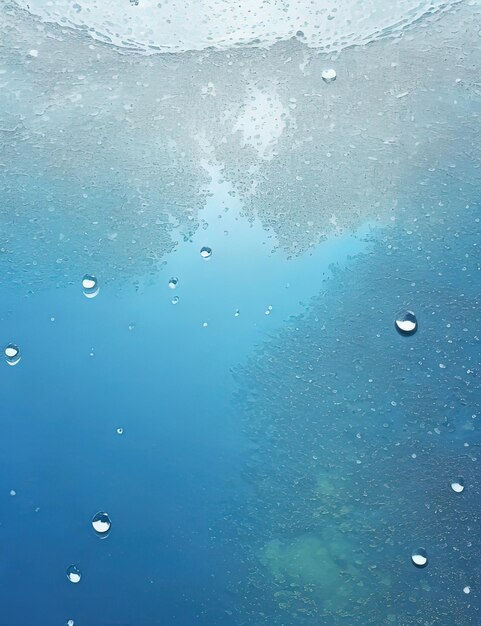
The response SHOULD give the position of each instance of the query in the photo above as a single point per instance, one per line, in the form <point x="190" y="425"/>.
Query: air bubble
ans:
<point x="329" y="75"/>
<point x="457" y="485"/>
<point x="12" y="354"/>
<point x="406" y="323"/>
<point x="74" y="574"/>
<point x="90" y="286"/>
<point x="205" y="252"/>
<point x="419" y="557"/>
<point x="101" y="523"/>
<point x="173" y="282"/>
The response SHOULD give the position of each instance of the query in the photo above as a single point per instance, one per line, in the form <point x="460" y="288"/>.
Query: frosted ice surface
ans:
<point x="178" y="25"/>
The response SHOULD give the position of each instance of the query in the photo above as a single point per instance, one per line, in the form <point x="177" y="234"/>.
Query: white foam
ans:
<point x="179" y="25"/>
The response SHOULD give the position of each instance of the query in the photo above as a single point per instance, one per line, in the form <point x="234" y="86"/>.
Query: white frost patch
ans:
<point x="261" y="122"/>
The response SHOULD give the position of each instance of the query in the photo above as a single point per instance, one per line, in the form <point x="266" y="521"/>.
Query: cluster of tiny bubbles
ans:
<point x="101" y="523"/>
<point x="173" y="282"/>
<point x="90" y="285"/>
<point x="406" y="323"/>
<point x="419" y="557"/>
<point x="12" y="354"/>
<point x="329" y="75"/>
<point x="74" y="574"/>
<point x="175" y="299"/>
<point x="205" y="252"/>
<point x="457" y="485"/>
<point x="120" y="431"/>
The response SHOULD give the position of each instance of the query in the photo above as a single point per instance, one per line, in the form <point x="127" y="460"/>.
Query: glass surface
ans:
<point x="240" y="312"/>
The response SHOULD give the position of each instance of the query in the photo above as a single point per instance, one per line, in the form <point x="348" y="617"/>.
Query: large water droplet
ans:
<point x="419" y="557"/>
<point x="457" y="485"/>
<point x="329" y="75"/>
<point x="406" y="323"/>
<point x="12" y="354"/>
<point x="101" y="523"/>
<point x="173" y="282"/>
<point x="205" y="252"/>
<point x="74" y="574"/>
<point x="90" y="285"/>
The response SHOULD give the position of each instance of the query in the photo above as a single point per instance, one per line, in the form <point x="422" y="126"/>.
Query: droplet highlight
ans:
<point x="457" y="485"/>
<point x="419" y="557"/>
<point x="74" y="574"/>
<point x="101" y="523"/>
<point x="90" y="286"/>
<point x="12" y="354"/>
<point x="406" y="323"/>
<point x="329" y="75"/>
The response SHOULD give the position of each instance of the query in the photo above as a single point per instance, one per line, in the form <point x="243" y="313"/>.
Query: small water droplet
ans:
<point x="457" y="485"/>
<point x="12" y="354"/>
<point x="33" y="53"/>
<point x="329" y="75"/>
<point x="90" y="286"/>
<point x="101" y="523"/>
<point x="120" y="431"/>
<point x="131" y="326"/>
<point x="13" y="492"/>
<point x="173" y="282"/>
<point x="175" y="300"/>
<point x="406" y="323"/>
<point x="70" y="622"/>
<point x="74" y="574"/>
<point x="205" y="324"/>
<point x="237" y="313"/>
<point x="467" y="589"/>
<point x="419" y="557"/>
<point x="52" y="319"/>
<point x="205" y="252"/>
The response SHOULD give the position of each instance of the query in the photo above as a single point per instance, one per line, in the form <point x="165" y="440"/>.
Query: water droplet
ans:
<point x="467" y="589"/>
<point x="205" y="324"/>
<point x="131" y="326"/>
<point x="205" y="252"/>
<point x="101" y="523"/>
<point x="406" y="323"/>
<point x="52" y="319"/>
<point x="120" y="431"/>
<point x="90" y="286"/>
<point x="237" y="313"/>
<point x="74" y="574"/>
<point x="173" y="282"/>
<point x="419" y="557"/>
<point x="329" y="75"/>
<point x="175" y="299"/>
<point x="13" y="492"/>
<point x="33" y="53"/>
<point x="12" y="354"/>
<point x="457" y="485"/>
<point x="70" y="622"/>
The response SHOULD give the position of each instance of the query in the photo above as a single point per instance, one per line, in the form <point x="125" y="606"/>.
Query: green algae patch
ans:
<point x="321" y="564"/>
